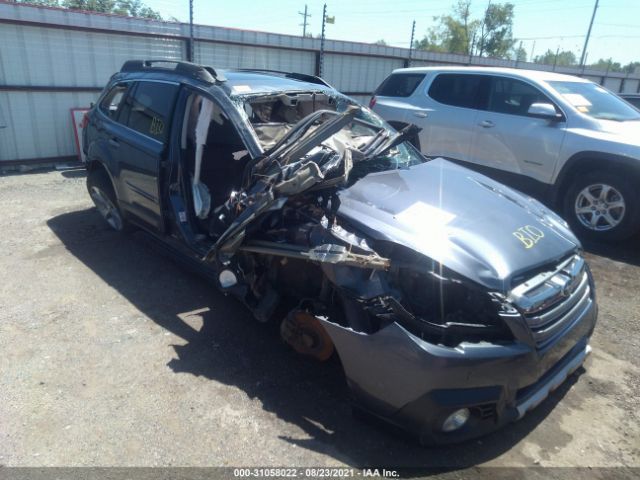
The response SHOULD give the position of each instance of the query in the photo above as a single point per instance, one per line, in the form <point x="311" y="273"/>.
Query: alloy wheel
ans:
<point x="600" y="207"/>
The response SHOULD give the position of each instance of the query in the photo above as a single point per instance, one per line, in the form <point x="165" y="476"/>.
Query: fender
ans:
<point x="591" y="160"/>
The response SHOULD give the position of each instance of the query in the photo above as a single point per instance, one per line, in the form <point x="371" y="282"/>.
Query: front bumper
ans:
<point x="415" y="385"/>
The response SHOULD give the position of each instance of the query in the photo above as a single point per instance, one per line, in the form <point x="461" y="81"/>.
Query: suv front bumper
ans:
<point x="415" y="385"/>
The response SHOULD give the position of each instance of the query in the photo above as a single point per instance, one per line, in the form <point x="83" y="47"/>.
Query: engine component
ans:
<point x="304" y="333"/>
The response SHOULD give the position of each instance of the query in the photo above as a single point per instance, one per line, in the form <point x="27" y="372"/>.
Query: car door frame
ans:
<point x="431" y="104"/>
<point x="158" y="224"/>
<point x="520" y="180"/>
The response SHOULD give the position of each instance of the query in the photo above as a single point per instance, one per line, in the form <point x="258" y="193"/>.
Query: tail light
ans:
<point x="372" y="102"/>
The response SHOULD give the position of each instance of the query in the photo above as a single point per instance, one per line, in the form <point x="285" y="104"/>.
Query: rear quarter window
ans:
<point x="112" y="102"/>
<point x="400" y="84"/>
<point x="460" y="90"/>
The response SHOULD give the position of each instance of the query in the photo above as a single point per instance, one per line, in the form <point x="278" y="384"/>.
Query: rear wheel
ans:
<point x="104" y="198"/>
<point x="602" y="206"/>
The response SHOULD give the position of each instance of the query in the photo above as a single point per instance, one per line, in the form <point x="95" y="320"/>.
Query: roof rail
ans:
<point x="199" y="72"/>
<point x="296" y="76"/>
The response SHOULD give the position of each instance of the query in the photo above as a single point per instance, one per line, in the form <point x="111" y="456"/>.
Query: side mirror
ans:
<point x="545" y="111"/>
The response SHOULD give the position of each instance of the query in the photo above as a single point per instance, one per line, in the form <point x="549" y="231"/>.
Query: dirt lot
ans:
<point x="114" y="355"/>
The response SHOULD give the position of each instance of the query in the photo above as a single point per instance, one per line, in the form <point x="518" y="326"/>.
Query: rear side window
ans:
<point x="400" y="84"/>
<point x="151" y="107"/>
<point x="514" y="97"/>
<point x="112" y="102"/>
<point x="459" y="90"/>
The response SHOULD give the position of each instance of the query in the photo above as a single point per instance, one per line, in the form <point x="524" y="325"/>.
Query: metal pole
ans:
<point x="324" y="17"/>
<point x="518" y="54"/>
<point x="533" y="48"/>
<point x="304" y="23"/>
<point x="190" y="56"/>
<point x="583" y="57"/>
<point x="555" y="59"/>
<point x="413" y="31"/>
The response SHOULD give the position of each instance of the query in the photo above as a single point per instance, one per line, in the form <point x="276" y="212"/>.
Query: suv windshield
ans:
<point x="273" y="116"/>
<point x="596" y="101"/>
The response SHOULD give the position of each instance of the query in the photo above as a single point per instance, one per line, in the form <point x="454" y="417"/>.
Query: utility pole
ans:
<point x="321" y="61"/>
<point x="533" y="49"/>
<point x="555" y="59"/>
<point x="583" y="57"/>
<point x="190" y="55"/>
<point x="518" y="54"/>
<point x="413" y="31"/>
<point x="304" y="23"/>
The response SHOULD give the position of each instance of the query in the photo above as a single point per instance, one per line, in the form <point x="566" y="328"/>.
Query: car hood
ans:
<point x="467" y="222"/>
<point x="628" y="132"/>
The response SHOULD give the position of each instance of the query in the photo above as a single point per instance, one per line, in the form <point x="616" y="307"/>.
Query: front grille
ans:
<point x="551" y="301"/>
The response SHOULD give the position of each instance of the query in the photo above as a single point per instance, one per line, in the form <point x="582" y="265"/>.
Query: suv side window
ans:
<point x="514" y="97"/>
<point x="400" y="85"/>
<point x="151" y="107"/>
<point x="459" y="90"/>
<point x="111" y="104"/>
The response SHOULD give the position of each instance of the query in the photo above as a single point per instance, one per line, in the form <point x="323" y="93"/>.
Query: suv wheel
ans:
<point x="104" y="198"/>
<point x="602" y="206"/>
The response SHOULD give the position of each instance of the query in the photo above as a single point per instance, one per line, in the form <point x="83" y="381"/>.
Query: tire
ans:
<point x="602" y="206"/>
<point x="104" y="198"/>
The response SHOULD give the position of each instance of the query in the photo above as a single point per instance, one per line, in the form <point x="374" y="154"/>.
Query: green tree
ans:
<point x="520" y="54"/>
<point x="565" y="58"/>
<point x="496" y="31"/>
<point x="608" y="64"/>
<point x="46" y="3"/>
<point x="454" y="33"/>
<point x="131" y="8"/>
<point x="382" y="42"/>
<point x="458" y="32"/>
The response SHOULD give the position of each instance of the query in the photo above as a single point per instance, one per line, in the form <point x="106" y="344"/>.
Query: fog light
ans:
<point x="456" y="420"/>
<point x="227" y="279"/>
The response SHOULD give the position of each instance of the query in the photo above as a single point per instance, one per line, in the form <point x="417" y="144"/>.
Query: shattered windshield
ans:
<point x="274" y="116"/>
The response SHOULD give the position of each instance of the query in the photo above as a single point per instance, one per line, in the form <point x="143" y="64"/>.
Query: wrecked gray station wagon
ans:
<point x="454" y="303"/>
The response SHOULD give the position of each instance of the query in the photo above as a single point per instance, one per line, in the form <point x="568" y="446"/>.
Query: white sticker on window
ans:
<point x="242" y="88"/>
<point x="577" y="100"/>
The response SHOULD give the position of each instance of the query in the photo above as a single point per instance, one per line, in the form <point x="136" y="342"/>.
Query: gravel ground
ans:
<point x="114" y="355"/>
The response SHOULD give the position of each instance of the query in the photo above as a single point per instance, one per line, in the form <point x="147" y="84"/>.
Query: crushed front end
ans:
<point x="445" y="322"/>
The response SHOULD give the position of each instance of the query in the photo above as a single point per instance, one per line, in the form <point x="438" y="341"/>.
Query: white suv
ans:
<point x="563" y="139"/>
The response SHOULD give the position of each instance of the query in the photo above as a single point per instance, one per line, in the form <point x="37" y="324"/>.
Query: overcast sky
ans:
<point x="548" y="23"/>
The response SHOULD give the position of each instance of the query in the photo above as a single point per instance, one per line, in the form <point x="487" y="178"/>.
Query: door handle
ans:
<point x="420" y="114"/>
<point x="487" y="124"/>
<point x="114" y="143"/>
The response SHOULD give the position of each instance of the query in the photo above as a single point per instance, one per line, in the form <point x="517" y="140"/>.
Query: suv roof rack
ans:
<point x="193" y="70"/>
<point x="296" y="76"/>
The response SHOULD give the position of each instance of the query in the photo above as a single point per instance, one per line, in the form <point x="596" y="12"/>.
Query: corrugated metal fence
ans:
<point x="52" y="60"/>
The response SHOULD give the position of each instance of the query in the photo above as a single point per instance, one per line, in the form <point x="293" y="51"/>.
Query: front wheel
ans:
<point x="104" y="198"/>
<point x="602" y="206"/>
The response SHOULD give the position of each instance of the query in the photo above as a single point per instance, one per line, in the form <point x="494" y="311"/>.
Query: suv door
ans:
<point x="147" y="112"/>
<point x="508" y="138"/>
<point x="451" y="105"/>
